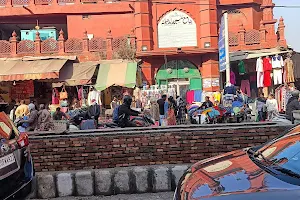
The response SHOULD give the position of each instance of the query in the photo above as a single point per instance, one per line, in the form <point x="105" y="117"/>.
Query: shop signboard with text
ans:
<point x="177" y="29"/>
<point x="224" y="64"/>
<point x="222" y="49"/>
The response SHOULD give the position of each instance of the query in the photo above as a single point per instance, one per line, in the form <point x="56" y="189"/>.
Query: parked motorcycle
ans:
<point x="282" y="119"/>
<point x="144" y="121"/>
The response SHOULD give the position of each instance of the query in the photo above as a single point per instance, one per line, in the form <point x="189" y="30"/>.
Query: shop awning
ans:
<point x="116" y="74"/>
<point x="245" y="55"/>
<point x="19" y="69"/>
<point x="73" y="74"/>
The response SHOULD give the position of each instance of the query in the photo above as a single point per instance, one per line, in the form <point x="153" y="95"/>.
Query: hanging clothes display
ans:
<point x="253" y="85"/>
<point x="289" y="70"/>
<point x="260" y="73"/>
<point x="137" y="93"/>
<point x="277" y="64"/>
<point x="245" y="87"/>
<point x="217" y="96"/>
<point x="296" y="62"/>
<point x="190" y="96"/>
<point x="94" y="95"/>
<point x="172" y="91"/>
<point x="267" y="65"/>
<point x="241" y="67"/>
<point x="232" y="78"/>
<point x="82" y="96"/>
<point x="230" y="90"/>
<point x="197" y="95"/>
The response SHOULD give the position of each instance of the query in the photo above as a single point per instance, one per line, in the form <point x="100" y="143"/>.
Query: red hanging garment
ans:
<point x="267" y="64"/>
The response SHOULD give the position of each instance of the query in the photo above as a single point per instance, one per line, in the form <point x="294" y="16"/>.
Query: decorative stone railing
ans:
<point x="255" y="39"/>
<point x="107" y="47"/>
<point x="18" y="3"/>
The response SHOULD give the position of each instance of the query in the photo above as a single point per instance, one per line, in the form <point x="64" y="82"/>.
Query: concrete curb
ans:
<point x="142" y="179"/>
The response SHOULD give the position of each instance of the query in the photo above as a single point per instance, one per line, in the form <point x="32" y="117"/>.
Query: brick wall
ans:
<point x="129" y="147"/>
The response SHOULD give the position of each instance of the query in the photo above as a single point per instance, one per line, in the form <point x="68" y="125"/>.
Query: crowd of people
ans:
<point x="268" y="108"/>
<point x="32" y="117"/>
<point x="165" y="111"/>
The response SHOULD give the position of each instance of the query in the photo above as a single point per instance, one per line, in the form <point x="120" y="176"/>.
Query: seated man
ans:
<point x="59" y="115"/>
<point x="124" y="113"/>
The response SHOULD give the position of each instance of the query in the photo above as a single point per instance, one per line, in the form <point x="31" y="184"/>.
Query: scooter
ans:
<point x="144" y="121"/>
<point x="282" y="119"/>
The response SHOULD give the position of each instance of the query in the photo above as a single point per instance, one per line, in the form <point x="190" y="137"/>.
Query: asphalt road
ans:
<point x="148" y="196"/>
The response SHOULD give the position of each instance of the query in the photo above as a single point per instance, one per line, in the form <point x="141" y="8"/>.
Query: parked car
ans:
<point x="269" y="171"/>
<point x="16" y="166"/>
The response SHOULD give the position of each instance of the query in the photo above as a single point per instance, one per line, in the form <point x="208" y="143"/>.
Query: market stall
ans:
<point x="117" y="78"/>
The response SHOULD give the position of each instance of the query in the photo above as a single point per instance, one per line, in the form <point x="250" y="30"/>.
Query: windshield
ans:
<point x="283" y="152"/>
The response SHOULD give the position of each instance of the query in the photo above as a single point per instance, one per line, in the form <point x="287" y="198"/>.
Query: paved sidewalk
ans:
<point x="148" y="196"/>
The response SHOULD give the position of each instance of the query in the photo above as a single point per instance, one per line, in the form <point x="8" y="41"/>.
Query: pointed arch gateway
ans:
<point x="176" y="29"/>
<point x="182" y="73"/>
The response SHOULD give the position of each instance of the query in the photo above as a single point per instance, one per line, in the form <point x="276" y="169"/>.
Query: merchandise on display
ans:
<point x="137" y="93"/>
<point x="267" y="65"/>
<point x="289" y="71"/>
<point x="232" y="78"/>
<point x="94" y="95"/>
<point x="150" y="92"/>
<point x="277" y="64"/>
<point x="260" y="72"/>
<point x="241" y="67"/>
<point x="245" y="87"/>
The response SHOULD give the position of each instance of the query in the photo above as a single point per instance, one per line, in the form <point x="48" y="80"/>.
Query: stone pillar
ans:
<point x="148" y="73"/>
<point x="9" y="3"/>
<point x="208" y="30"/>
<point x="109" y="50"/>
<point x="241" y="38"/>
<point x="14" y="43"/>
<point x="262" y="31"/>
<point x="61" y="42"/>
<point x="210" y="71"/>
<point x="143" y="25"/>
<point x="280" y="32"/>
<point x="85" y="42"/>
<point x="269" y="22"/>
<point x="31" y="3"/>
<point x="37" y="43"/>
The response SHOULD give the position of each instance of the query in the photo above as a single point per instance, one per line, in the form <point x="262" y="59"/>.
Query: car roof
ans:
<point x="274" y="195"/>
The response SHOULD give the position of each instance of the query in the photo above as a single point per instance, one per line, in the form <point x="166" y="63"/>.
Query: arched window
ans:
<point x="235" y="19"/>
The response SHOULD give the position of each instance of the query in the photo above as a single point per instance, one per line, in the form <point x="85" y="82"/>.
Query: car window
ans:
<point x="284" y="152"/>
<point x="289" y="158"/>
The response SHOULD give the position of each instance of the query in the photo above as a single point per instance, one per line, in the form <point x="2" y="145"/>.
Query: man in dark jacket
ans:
<point x="125" y="112"/>
<point x="293" y="104"/>
<point x="94" y="111"/>
<point x="207" y="103"/>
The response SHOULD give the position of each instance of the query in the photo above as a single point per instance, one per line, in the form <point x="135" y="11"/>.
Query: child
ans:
<point x="272" y="107"/>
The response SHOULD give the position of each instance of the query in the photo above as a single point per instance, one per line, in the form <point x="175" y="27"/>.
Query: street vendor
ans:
<point x="207" y="103"/>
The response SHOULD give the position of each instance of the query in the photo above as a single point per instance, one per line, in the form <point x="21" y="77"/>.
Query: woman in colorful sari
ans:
<point x="170" y="110"/>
